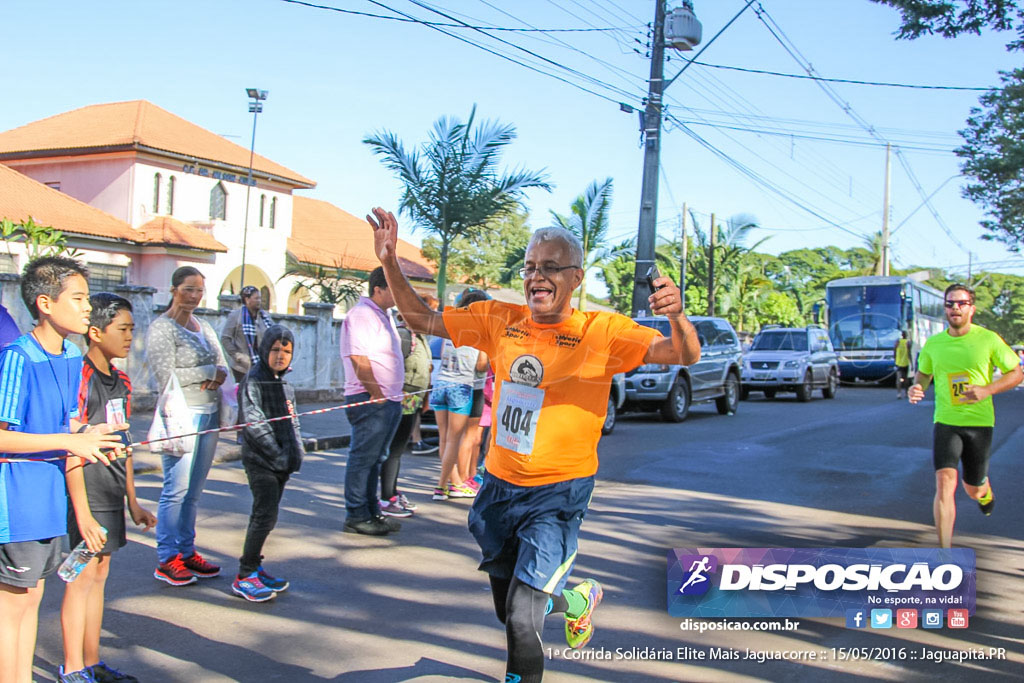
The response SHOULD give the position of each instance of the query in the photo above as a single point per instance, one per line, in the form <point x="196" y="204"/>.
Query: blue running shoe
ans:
<point x="251" y="588"/>
<point x="272" y="582"/>
<point x="80" y="676"/>
<point x="108" y="674"/>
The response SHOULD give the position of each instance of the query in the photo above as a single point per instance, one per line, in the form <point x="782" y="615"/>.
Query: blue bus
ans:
<point x="866" y="316"/>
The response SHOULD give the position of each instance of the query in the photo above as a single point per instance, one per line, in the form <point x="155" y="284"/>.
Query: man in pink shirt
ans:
<point x="371" y="352"/>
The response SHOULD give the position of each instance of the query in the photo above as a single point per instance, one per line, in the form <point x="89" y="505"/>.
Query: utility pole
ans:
<point x="885" y="213"/>
<point x="682" y="258"/>
<point x="652" y="149"/>
<point x="711" y="266"/>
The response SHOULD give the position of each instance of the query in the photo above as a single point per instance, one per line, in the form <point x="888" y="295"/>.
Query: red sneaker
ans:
<point x="200" y="567"/>
<point x="174" y="572"/>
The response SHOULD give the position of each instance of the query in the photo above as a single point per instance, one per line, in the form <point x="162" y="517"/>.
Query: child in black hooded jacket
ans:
<point x="271" y="451"/>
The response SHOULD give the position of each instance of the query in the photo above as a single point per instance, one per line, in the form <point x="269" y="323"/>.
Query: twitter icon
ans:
<point x="881" y="618"/>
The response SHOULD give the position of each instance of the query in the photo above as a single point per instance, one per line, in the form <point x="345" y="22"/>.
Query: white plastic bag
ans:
<point x="172" y="417"/>
<point x="228" y="402"/>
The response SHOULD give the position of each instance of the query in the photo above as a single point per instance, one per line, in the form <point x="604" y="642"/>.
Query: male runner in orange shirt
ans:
<point x="553" y="368"/>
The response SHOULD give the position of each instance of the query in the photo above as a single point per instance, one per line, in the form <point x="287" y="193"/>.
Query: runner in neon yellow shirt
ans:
<point x="961" y="361"/>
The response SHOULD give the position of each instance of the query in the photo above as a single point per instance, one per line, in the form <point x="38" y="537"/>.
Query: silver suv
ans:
<point x="799" y="359"/>
<point x="672" y="389"/>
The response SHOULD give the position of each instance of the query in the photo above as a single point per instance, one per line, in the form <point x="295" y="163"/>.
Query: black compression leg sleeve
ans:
<point x="499" y="591"/>
<point x="523" y="625"/>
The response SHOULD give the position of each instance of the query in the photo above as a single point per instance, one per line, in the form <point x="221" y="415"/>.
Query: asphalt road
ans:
<point x="854" y="471"/>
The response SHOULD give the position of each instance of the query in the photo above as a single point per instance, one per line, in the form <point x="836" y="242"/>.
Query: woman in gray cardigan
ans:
<point x="180" y="343"/>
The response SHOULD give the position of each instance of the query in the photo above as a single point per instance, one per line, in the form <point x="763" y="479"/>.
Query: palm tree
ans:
<point x="452" y="183"/>
<point x="588" y="220"/>
<point x="873" y="243"/>
<point x="329" y="285"/>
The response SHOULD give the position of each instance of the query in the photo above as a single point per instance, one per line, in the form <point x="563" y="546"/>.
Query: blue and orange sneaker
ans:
<point x="580" y="630"/>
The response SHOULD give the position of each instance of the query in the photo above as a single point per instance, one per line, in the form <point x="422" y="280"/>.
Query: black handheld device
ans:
<point x="652" y="275"/>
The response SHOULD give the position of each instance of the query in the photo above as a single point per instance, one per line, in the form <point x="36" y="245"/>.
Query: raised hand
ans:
<point x="666" y="299"/>
<point x="385" y="233"/>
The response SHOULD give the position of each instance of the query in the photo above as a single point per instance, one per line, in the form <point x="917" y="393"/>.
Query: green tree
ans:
<point x="993" y="154"/>
<point x="39" y="240"/>
<point x="618" y="269"/>
<point x="951" y="18"/>
<point x="588" y="220"/>
<point x="452" y="184"/>
<point x="486" y="257"/>
<point x="327" y="285"/>
<point x="730" y="246"/>
<point x="777" y="307"/>
<point x="993" y="149"/>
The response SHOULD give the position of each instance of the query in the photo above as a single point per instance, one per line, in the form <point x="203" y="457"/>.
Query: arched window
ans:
<point x="156" y="193"/>
<point x="263" y="205"/>
<point x="170" y="196"/>
<point x="218" y="202"/>
<point x="273" y="211"/>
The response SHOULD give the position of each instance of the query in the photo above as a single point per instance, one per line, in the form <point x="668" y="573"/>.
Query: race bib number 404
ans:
<point x="517" y="416"/>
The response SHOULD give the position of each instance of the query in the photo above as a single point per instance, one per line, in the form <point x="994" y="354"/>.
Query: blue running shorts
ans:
<point x="455" y="398"/>
<point x="530" y="532"/>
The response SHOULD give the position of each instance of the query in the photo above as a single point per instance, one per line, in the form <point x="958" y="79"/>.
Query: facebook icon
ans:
<point x="856" y="618"/>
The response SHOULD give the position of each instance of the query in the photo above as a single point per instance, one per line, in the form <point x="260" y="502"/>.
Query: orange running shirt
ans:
<point x="565" y="370"/>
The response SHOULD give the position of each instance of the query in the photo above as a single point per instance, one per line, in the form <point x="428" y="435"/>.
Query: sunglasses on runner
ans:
<point x="958" y="303"/>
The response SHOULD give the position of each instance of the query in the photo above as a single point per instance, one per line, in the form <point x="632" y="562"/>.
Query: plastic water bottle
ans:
<point x="76" y="561"/>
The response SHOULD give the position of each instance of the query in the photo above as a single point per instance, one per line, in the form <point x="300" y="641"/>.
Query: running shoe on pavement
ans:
<point x="579" y="631"/>
<point x="423" y="448"/>
<point x="107" y="674"/>
<point x="198" y="565"/>
<point x="80" y="676"/>
<point x="405" y="502"/>
<point x="392" y="508"/>
<point x="460" y="491"/>
<point x="272" y="582"/>
<point x="987" y="502"/>
<point x="441" y="493"/>
<point x="251" y="588"/>
<point x="174" y="572"/>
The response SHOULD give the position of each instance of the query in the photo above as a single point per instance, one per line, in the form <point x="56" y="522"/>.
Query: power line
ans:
<point x="552" y="62"/>
<point x="805" y="64"/>
<point x="800" y="136"/>
<point x="630" y="77"/>
<point x="841" y="80"/>
<point x="434" y="23"/>
<point x="761" y="180"/>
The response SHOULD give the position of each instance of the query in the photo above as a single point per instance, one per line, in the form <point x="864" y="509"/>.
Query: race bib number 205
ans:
<point x="517" y="416"/>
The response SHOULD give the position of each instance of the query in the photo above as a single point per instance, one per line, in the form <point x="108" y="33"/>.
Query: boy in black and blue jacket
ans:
<point x="271" y="451"/>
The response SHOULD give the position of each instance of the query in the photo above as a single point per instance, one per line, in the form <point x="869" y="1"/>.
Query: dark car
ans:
<point x="672" y="389"/>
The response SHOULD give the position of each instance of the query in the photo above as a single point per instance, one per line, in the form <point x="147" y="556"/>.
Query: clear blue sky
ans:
<point x="335" y="77"/>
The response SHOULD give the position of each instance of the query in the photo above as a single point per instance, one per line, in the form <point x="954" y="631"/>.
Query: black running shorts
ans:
<point x="24" y="563"/>
<point x="971" y="445"/>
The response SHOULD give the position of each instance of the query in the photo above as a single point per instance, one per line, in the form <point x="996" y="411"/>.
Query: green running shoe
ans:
<point x="579" y="631"/>
<point x="987" y="502"/>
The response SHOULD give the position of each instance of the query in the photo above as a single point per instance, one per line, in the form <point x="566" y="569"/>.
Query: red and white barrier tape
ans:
<point x="233" y="428"/>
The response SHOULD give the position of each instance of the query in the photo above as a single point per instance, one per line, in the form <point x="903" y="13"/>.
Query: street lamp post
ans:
<point x="256" y="98"/>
